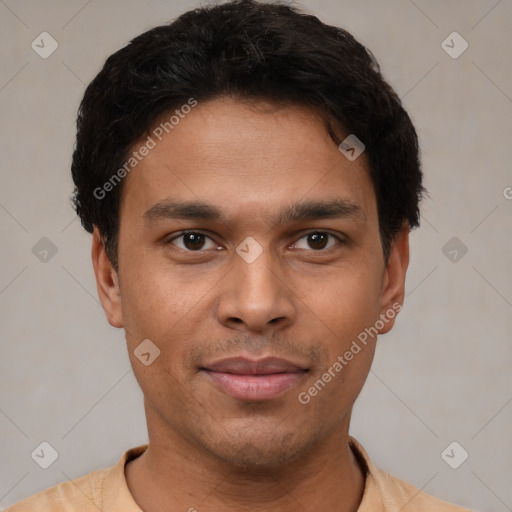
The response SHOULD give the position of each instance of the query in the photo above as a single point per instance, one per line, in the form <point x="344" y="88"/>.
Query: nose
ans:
<point x="255" y="296"/>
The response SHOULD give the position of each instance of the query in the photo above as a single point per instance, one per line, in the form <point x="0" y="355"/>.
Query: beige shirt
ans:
<point x="106" y="490"/>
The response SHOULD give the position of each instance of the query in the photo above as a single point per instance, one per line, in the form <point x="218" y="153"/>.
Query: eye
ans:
<point x="192" y="241"/>
<point x="318" y="240"/>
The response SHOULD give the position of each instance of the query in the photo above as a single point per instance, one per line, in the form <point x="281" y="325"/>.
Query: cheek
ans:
<point x="167" y="308"/>
<point x="346" y="323"/>
<point x="155" y="308"/>
<point x="343" y="303"/>
<point x="157" y="301"/>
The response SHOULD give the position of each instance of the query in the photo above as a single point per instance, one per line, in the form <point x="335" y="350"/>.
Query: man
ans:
<point x="249" y="180"/>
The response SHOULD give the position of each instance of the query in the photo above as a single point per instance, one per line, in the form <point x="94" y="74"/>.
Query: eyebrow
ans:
<point x="305" y="210"/>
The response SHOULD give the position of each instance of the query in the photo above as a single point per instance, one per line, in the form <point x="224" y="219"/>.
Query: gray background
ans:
<point x="441" y="375"/>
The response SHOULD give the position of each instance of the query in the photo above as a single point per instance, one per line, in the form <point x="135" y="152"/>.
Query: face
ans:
<point x="250" y="256"/>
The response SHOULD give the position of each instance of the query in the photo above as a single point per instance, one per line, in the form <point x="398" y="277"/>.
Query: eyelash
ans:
<point x="169" y="241"/>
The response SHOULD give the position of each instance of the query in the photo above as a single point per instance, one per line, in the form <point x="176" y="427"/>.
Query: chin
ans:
<point x="254" y="453"/>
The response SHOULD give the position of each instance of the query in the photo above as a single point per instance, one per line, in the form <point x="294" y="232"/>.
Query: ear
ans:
<point x="107" y="281"/>
<point x="393" y="289"/>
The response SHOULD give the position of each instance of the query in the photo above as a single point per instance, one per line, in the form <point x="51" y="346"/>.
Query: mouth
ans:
<point x="254" y="380"/>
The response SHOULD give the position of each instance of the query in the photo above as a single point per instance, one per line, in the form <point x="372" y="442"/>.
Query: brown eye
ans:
<point x="318" y="240"/>
<point x="192" y="241"/>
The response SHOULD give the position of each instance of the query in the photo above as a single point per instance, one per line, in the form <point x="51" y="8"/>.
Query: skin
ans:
<point x="297" y="300"/>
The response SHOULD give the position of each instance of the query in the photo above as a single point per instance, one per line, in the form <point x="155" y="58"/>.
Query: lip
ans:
<point x="254" y="380"/>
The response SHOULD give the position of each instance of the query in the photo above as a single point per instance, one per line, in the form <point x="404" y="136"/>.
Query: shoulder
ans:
<point x="82" y="494"/>
<point x="401" y="495"/>
<point x="102" y="489"/>
<point x="387" y="493"/>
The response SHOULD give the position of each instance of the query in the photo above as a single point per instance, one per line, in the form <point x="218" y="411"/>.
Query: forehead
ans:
<point x="249" y="160"/>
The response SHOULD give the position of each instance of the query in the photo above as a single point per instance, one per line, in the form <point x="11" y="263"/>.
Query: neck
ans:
<point x="174" y="474"/>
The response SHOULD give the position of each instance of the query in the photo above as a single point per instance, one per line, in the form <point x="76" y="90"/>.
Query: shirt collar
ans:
<point x="118" y="494"/>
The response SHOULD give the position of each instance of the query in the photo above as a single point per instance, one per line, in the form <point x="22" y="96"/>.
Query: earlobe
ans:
<point x="107" y="281"/>
<point x="393" y="290"/>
